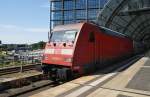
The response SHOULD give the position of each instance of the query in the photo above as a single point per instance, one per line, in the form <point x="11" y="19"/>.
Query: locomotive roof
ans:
<point x="113" y="33"/>
<point x="109" y="31"/>
<point x="68" y="27"/>
<point x="79" y="26"/>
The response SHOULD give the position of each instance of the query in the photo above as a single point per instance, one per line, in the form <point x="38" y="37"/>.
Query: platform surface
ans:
<point x="131" y="82"/>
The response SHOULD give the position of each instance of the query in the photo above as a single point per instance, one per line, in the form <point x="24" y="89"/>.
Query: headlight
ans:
<point x="68" y="59"/>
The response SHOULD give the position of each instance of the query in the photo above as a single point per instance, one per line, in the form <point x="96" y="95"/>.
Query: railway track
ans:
<point x="4" y="71"/>
<point x="38" y="87"/>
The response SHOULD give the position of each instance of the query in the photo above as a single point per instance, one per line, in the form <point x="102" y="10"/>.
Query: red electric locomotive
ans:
<point x="77" y="49"/>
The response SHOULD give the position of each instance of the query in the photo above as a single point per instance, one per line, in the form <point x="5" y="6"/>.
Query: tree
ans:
<point x="39" y="45"/>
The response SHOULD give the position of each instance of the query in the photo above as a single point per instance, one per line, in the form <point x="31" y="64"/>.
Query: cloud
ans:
<point x="17" y="34"/>
<point x="14" y="28"/>
<point x="37" y="30"/>
<point x="46" y="5"/>
<point x="8" y="26"/>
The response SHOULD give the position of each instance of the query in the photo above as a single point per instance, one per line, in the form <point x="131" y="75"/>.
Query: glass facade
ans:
<point x="73" y="11"/>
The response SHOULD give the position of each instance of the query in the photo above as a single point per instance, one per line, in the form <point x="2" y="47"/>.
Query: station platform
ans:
<point x="125" y="81"/>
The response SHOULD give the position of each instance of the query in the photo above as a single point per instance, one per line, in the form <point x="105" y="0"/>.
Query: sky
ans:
<point x="24" y="21"/>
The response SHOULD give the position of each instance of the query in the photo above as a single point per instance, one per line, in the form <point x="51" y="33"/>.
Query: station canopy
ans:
<point x="130" y="17"/>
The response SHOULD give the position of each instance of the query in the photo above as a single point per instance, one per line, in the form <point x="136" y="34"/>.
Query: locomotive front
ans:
<point x="58" y="56"/>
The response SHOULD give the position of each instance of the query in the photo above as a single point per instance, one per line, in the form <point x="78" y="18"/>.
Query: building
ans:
<point x="129" y="17"/>
<point x="33" y="56"/>
<point x="72" y="11"/>
<point x="0" y="45"/>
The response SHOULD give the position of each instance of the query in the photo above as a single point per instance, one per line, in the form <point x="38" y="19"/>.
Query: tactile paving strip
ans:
<point x="141" y="81"/>
<point x="120" y="95"/>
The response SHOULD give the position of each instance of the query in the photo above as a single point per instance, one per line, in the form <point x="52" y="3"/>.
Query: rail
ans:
<point x="9" y="70"/>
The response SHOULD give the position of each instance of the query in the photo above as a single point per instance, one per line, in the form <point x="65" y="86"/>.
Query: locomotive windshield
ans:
<point x="63" y="36"/>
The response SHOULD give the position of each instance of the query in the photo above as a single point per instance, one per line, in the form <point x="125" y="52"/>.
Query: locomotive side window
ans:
<point x="91" y="37"/>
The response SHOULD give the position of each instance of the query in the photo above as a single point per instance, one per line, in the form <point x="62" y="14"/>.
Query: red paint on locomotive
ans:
<point x="90" y="47"/>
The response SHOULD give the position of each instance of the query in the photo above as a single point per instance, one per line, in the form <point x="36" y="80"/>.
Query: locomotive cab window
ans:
<point x="64" y="36"/>
<point x="91" y="37"/>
